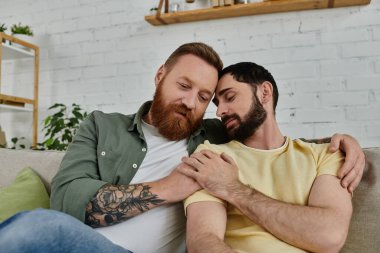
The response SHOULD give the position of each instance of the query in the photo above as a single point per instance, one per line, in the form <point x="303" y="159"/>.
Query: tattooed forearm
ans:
<point x="115" y="203"/>
<point x="318" y="141"/>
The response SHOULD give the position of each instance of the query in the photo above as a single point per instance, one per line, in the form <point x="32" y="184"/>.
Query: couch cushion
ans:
<point x="44" y="163"/>
<point x="27" y="192"/>
<point x="365" y="223"/>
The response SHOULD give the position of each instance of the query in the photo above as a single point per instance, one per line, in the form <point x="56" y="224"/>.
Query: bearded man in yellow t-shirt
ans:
<point x="263" y="192"/>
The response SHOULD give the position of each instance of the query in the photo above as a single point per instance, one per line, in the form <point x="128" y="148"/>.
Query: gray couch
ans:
<point x="364" y="235"/>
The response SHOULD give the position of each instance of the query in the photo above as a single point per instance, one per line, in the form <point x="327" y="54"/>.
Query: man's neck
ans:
<point x="147" y="118"/>
<point x="268" y="136"/>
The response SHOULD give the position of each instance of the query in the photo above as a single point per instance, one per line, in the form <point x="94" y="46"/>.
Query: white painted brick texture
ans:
<point x="103" y="55"/>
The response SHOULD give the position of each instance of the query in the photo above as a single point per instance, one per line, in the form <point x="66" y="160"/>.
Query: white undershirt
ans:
<point x="161" y="229"/>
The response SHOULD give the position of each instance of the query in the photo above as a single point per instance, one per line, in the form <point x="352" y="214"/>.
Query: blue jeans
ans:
<point x="49" y="231"/>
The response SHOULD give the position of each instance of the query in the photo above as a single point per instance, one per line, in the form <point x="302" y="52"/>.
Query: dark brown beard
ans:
<point x="169" y="126"/>
<point x="250" y="122"/>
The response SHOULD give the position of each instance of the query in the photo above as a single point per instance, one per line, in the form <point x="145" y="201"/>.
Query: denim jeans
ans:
<point x="49" y="231"/>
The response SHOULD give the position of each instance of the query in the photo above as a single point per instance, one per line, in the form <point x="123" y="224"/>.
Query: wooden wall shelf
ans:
<point x="238" y="10"/>
<point x="12" y="52"/>
<point x="19" y="50"/>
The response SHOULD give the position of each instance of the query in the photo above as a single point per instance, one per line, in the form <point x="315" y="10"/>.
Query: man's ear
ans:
<point x="267" y="92"/>
<point x="159" y="75"/>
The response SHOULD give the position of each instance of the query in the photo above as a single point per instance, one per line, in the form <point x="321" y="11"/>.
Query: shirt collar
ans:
<point x="136" y="125"/>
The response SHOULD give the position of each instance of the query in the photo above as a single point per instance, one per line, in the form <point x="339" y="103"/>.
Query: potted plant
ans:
<point x="61" y="126"/>
<point x="21" y="29"/>
<point x="59" y="129"/>
<point x="22" y="32"/>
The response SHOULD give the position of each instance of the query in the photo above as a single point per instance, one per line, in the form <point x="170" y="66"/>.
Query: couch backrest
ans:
<point x="45" y="163"/>
<point x="364" y="234"/>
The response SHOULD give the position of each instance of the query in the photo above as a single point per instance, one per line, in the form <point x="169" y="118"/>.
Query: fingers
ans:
<point x="352" y="186"/>
<point x="353" y="178"/>
<point x="187" y="171"/>
<point x="348" y="178"/>
<point x="193" y="162"/>
<point x="200" y="157"/>
<point x="208" y="153"/>
<point x="353" y="167"/>
<point x="227" y="158"/>
<point x="206" y="157"/>
<point x="348" y="165"/>
<point x="211" y="155"/>
<point x="336" y="140"/>
<point x="352" y="170"/>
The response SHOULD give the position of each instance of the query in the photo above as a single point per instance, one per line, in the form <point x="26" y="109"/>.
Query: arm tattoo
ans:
<point x="317" y="141"/>
<point x="115" y="203"/>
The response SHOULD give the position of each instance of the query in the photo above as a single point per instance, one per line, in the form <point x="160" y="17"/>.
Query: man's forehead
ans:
<point x="226" y="82"/>
<point x="193" y="67"/>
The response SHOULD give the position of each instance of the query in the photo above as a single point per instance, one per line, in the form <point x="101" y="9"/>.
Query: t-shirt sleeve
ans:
<point x="202" y="195"/>
<point x="327" y="162"/>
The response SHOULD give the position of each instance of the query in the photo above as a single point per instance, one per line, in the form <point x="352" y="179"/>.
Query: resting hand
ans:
<point x="218" y="174"/>
<point x="352" y="170"/>
<point x="177" y="186"/>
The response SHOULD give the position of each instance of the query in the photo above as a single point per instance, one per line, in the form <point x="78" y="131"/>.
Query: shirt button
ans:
<point x="143" y="149"/>
<point x="134" y="166"/>
<point x="103" y="153"/>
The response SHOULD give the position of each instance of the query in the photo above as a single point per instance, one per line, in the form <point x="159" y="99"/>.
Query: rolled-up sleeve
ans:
<point x="78" y="179"/>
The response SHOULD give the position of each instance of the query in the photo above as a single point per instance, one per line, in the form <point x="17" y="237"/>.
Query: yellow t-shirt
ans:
<point x="285" y="174"/>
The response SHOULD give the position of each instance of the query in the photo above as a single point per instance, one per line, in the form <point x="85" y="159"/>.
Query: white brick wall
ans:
<point x="103" y="55"/>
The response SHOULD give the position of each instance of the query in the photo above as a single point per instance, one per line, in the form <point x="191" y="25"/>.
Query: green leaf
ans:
<point x="59" y="114"/>
<point x="74" y="121"/>
<point x="77" y="114"/>
<point x="56" y="105"/>
<point x="47" y="120"/>
<point x="49" y="142"/>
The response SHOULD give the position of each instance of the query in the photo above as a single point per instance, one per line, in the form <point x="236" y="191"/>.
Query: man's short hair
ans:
<point x="253" y="74"/>
<point x="198" y="49"/>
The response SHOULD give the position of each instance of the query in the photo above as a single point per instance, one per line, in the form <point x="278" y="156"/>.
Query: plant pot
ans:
<point x="23" y="37"/>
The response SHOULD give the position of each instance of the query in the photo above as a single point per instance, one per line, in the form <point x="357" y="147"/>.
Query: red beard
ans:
<point x="172" y="127"/>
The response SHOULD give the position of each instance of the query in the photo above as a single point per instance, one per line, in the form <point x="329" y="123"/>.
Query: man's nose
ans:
<point x="190" y="101"/>
<point x="221" y="110"/>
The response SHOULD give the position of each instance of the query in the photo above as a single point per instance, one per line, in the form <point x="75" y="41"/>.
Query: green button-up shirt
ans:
<point x="109" y="148"/>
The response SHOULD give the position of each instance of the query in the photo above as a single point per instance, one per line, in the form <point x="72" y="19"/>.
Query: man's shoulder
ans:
<point x="212" y="124"/>
<point x="99" y="117"/>
<point x="310" y="145"/>
<point x="320" y="151"/>
<point x="112" y="115"/>
<point x="215" y="131"/>
<point x="228" y="147"/>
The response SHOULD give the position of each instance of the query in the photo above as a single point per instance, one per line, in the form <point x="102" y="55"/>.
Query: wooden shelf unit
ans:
<point x="12" y="52"/>
<point x="273" y="6"/>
